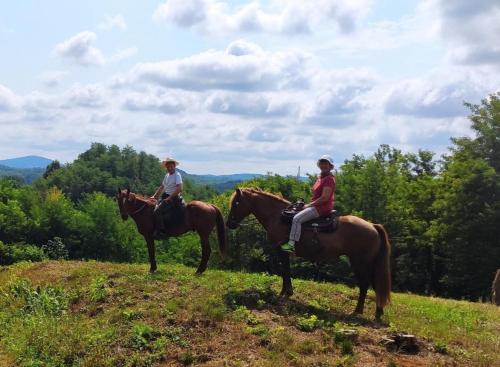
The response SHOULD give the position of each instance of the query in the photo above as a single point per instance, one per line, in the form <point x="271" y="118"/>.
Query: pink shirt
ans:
<point x="317" y="190"/>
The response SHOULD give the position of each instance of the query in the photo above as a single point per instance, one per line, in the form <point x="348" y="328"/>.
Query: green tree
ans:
<point x="468" y="207"/>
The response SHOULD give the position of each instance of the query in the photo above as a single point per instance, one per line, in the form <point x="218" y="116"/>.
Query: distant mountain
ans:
<point x="29" y="161"/>
<point x="220" y="182"/>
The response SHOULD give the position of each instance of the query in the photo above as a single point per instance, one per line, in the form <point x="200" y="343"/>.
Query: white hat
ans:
<point x="327" y="158"/>
<point x="169" y="160"/>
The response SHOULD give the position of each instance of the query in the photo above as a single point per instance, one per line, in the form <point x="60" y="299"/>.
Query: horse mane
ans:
<point x="141" y="198"/>
<point x="258" y="190"/>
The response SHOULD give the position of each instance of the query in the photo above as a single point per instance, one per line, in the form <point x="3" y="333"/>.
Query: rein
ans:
<point x="140" y="209"/>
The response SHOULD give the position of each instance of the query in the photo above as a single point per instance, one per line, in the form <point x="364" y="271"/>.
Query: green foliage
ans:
<point x="142" y="334"/>
<point x="12" y="253"/>
<point x="309" y="323"/>
<point x="55" y="249"/>
<point x="98" y="290"/>
<point x="104" y="168"/>
<point x="45" y="300"/>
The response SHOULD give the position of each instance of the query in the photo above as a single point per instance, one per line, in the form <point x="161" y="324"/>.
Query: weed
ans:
<point x="309" y="323"/>
<point x="241" y="313"/>
<point x="131" y="314"/>
<point x="45" y="300"/>
<point x="441" y="347"/>
<point x="259" y="330"/>
<point x="98" y="291"/>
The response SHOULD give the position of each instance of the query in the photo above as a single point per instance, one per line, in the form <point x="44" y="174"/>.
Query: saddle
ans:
<point x="328" y="223"/>
<point x="171" y="213"/>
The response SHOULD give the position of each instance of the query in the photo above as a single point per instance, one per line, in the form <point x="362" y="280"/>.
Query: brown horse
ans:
<point x="200" y="217"/>
<point x="366" y="244"/>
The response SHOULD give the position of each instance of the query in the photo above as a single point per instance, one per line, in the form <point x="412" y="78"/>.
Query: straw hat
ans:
<point x="169" y="160"/>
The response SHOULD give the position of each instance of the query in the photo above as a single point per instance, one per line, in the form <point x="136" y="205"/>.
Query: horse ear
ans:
<point x="128" y="192"/>
<point x="238" y="191"/>
<point x="119" y="190"/>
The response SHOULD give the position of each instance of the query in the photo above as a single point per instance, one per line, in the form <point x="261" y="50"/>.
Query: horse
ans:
<point x="365" y="244"/>
<point x="200" y="217"/>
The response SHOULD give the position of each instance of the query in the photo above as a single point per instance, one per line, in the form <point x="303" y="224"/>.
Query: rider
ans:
<point x="170" y="191"/>
<point x="321" y="205"/>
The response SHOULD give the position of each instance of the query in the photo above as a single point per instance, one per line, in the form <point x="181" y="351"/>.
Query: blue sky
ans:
<point x="233" y="86"/>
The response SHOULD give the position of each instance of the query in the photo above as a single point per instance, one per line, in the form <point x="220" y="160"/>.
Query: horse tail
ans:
<point x="382" y="270"/>
<point x="221" y="230"/>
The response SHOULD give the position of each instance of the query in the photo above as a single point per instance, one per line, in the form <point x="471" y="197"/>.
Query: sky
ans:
<point x="243" y="86"/>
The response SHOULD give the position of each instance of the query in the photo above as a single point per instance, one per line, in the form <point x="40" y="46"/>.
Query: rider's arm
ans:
<point x="325" y="196"/>
<point x="158" y="191"/>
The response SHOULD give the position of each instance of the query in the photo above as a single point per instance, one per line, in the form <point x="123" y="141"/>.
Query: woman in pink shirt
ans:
<point x="322" y="201"/>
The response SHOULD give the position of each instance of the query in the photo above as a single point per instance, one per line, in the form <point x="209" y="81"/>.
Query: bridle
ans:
<point x="250" y="220"/>
<point x="143" y="206"/>
<point x="137" y="211"/>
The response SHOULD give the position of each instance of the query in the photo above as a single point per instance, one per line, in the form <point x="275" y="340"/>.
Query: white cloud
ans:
<point x="52" y="78"/>
<point x="288" y="17"/>
<point x="86" y="96"/>
<point x="242" y="67"/>
<point x="248" y="104"/>
<point x="80" y="50"/>
<point x="264" y="134"/>
<point x="8" y="100"/>
<point x="166" y="102"/>
<point x="115" y="21"/>
<point x="434" y="97"/>
<point x="472" y="29"/>
<point x="251" y="105"/>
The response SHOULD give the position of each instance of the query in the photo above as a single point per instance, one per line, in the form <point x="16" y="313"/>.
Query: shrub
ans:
<point x="46" y="300"/>
<point x="55" y="249"/>
<point x="309" y="323"/>
<point x="12" y="253"/>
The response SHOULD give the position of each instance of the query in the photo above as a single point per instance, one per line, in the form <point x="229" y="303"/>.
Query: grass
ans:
<point x="65" y="313"/>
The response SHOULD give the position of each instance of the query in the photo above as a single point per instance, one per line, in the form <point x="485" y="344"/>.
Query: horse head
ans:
<point x="240" y="209"/>
<point x="124" y="200"/>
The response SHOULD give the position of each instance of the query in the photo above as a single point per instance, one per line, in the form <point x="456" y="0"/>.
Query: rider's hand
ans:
<point x="152" y="198"/>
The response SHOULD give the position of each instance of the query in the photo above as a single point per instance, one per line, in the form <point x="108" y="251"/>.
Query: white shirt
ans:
<point x="171" y="181"/>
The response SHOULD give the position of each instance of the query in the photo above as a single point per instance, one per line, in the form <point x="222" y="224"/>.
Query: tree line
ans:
<point x="442" y="213"/>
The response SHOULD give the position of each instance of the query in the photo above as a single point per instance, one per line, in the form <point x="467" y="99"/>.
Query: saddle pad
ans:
<point x="321" y="224"/>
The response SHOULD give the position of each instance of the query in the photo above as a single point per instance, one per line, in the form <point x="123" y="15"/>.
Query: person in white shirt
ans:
<point x="168" y="193"/>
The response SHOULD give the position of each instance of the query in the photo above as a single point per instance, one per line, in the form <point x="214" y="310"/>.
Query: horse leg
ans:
<point x="151" y="252"/>
<point x="364" y="284"/>
<point x="205" y="254"/>
<point x="287" y="289"/>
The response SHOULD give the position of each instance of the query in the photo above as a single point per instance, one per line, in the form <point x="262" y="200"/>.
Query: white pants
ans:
<point x="301" y="217"/>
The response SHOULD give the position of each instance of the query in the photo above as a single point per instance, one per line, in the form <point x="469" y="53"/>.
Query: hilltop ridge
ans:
<point x="67" y="313"/>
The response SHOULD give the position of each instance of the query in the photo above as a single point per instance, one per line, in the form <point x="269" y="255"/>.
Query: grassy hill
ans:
<point x="101" y="314"/>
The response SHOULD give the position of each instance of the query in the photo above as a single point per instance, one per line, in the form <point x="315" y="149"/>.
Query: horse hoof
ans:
<point x="198" y="273"/>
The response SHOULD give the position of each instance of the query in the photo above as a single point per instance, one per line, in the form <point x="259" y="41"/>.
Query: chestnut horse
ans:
<point x="200" y="217"/>
<point x="365" y="244"/>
